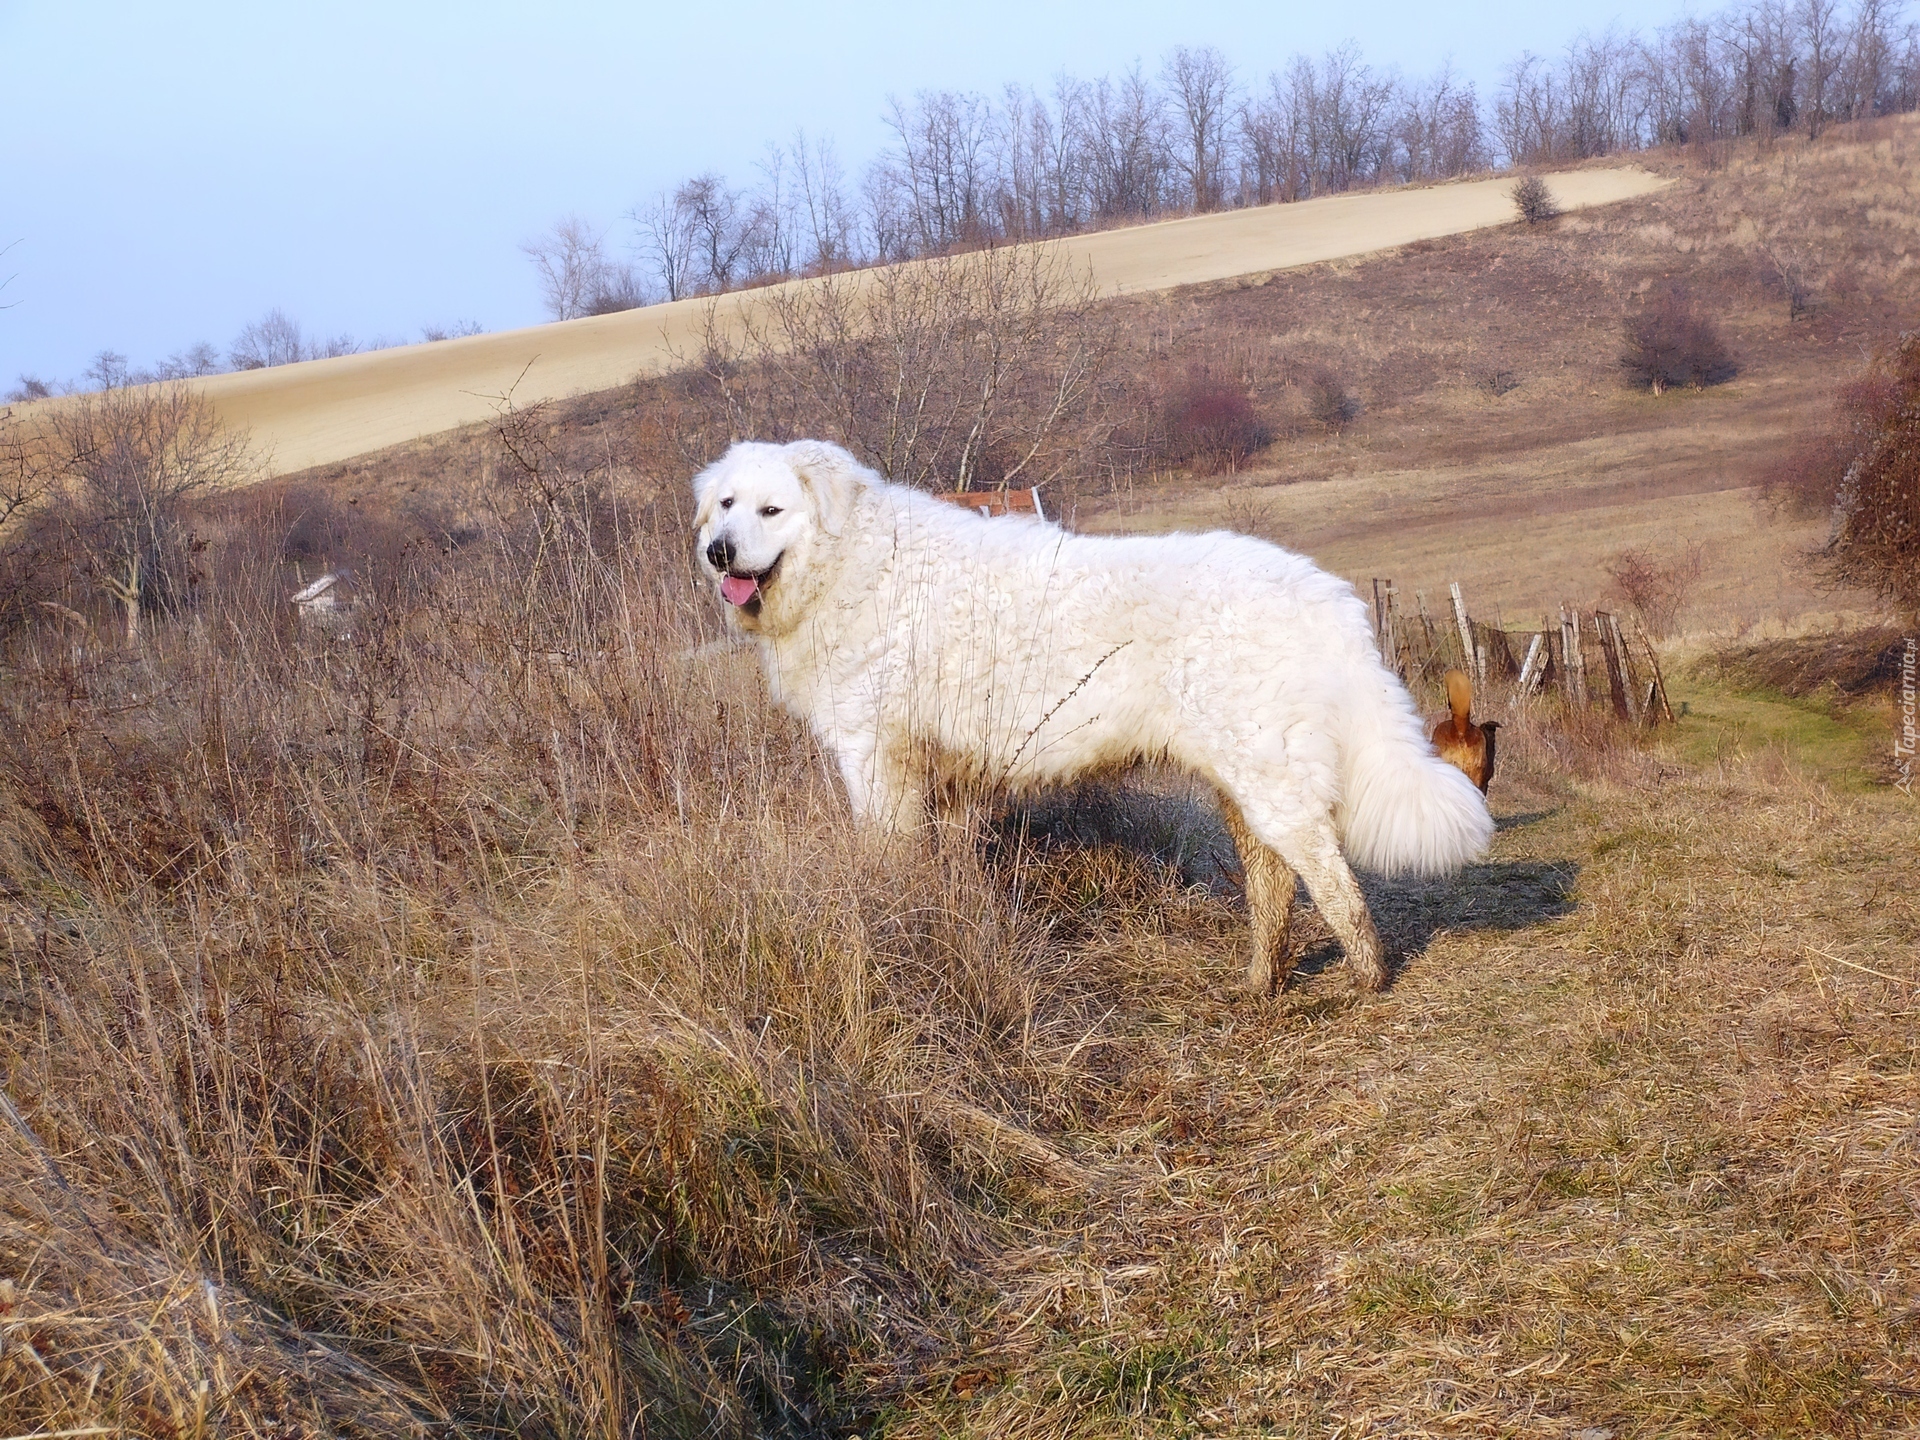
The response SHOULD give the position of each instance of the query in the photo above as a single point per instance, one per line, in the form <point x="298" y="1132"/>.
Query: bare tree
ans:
<point x="454" y="331"/>
<point x="940" y="165"/>
<point x="666" y="238"/>
<point x="1604" y="104"/>
<point x="722" y="232"/>
<point x="1125" y="148"/>
<point x="1527" y="116"/>
<point x="572" y="266"/>
<point x="1272" y="145"/>
<point x="831" y="227"/>
<point x="773" y="220"/>
<point x="1059" y="143"/>
<point x="1200" y="84"/>
<point x="196" y="360"/>
<point x="1822" y="47"/>
<point x="1347" y="105"/>
<point x="119" y="466"/>
<point x="276" y="339"/>
<point x="1437" y="130"/>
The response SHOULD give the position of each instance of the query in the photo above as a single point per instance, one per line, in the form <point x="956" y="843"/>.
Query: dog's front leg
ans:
<point x="884" y="788"/>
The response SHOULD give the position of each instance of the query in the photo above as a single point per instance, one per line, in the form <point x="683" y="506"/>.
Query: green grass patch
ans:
<point x="1843" y="744"/>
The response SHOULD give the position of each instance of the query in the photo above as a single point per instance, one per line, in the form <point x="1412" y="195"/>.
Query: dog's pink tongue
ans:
<point x="739" y="588"/>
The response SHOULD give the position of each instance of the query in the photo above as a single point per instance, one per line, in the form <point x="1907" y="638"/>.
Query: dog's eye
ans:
<point x="769" y="511"/>
<point x="727" y="504"/>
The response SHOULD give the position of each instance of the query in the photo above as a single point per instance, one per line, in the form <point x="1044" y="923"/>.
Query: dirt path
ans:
<point x="329" y="410"/>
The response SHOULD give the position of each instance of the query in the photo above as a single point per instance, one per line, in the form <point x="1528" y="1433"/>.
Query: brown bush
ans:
<point x="1669" y="342"/>
<point x="109" y="478"/>
<point x="1806" y="480"/>
<point x="1534" y="200"/>
<point x="1329" y="402"/>
<point x="1876" y="537"/>
<point x="1211" y="424"/>
<point x="1656" y="586"/>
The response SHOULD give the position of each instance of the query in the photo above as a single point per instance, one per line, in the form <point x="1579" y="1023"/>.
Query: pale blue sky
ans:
<point x="169" y="172"/>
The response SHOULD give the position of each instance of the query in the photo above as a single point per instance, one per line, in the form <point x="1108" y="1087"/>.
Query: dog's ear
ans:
<point x="706" y="488"/>
<point x="831" y="476"/>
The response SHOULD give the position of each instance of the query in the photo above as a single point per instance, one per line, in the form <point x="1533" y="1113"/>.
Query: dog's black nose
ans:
<point x="720" y="554"/>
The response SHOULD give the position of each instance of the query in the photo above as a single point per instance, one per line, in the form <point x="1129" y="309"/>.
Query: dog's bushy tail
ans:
<point x="1403" y="810"/>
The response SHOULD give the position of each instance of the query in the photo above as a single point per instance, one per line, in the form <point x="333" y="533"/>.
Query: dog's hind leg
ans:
<point x="1314" y="851"/>
<point x="1269" y="902"/>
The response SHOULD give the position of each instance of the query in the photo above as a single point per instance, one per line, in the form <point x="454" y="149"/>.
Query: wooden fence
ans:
<point x="1589" y="656"/>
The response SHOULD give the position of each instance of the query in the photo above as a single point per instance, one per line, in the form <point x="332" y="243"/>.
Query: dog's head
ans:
<point x="761" y="514"/>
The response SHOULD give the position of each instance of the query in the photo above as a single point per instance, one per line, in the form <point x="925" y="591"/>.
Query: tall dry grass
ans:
<point x="477" y="1017"/>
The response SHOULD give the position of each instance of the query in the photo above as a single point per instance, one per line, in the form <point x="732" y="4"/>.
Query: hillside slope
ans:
<point x="322" y="411"/>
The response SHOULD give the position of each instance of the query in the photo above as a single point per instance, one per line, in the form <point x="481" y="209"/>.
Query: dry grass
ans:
<point x="482" y="1020"/>
<point x="486" y="1022"/>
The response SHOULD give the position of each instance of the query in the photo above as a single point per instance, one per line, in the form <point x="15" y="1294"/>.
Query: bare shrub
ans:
<point x="28" y="388"/>
<point x="1656" y="586"/>
<point x="1670" y="341"/>
<point x="1211" y="424"/>
<point x="116" y="470"/>
<point x="1784" y="272"/>
<point x="1329" y="402"/>
<point x="969" y="370"/>
<point x="1534" y="200"/>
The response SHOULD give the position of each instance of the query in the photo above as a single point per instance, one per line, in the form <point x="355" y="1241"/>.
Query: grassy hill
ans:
<point x="478" y="1017"/>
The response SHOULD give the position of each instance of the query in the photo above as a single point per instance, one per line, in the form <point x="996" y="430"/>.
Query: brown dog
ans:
<point x="1462" y="744"/>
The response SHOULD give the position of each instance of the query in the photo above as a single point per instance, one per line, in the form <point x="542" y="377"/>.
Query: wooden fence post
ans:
<point x="1576" y="681"/>
<point x="1616" y="682"/>
<point x="1386" y="627"/>
<point x="1629" y="688"/>
<point x="1468" y="659"/>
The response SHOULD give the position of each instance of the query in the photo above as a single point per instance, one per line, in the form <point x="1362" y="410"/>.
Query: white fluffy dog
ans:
<point x="921" y="640"/>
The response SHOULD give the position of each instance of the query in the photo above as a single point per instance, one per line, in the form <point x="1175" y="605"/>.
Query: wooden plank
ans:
<point x="1532" y="668"/>
<point x="1659" y="680"/>
<point x="1629" y="689"/>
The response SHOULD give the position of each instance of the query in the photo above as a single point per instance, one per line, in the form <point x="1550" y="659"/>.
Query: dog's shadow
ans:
<point x="1172" y="822"/>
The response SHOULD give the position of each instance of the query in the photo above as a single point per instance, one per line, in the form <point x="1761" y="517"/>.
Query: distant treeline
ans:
<point x="965" y="169"/>
<point x="276" y="338"/>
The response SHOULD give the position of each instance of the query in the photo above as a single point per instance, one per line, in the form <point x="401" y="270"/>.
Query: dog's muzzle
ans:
<point x="741" y="588"/>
